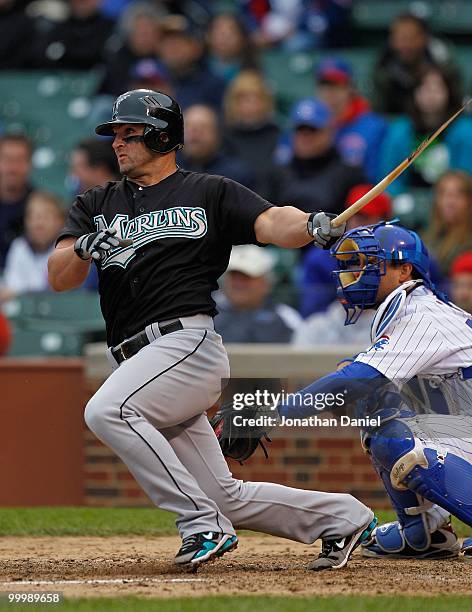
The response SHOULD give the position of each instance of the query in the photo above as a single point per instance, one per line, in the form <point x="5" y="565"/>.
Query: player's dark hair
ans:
<point x="100" y="154"/>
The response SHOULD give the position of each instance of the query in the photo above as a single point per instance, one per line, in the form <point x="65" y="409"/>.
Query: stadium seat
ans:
<point x="453" y="17"/>
<point x="76" y="311"/>
<point x="51" y="107"/>
<point x="414" y="208"/>
<point x="32" y="343"/>
<point x="463" y="56"/>
<point x="374" y="15"/>
<point x="54" y="324"/>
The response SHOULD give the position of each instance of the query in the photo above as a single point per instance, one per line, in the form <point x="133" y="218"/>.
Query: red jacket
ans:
<point x="5" y="335"/>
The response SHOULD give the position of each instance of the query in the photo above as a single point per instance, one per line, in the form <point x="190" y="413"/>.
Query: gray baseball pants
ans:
<point x="151" y="412"/>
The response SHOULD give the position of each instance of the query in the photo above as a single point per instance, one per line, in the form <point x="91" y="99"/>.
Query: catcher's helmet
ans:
<point x="161" y="115"/>
<point x="362" y="255"/>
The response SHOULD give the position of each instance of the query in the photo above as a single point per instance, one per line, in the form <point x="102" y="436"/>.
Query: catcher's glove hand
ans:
<point x="324" y="235"/>
<point x="96" y="244"/>
<point x="239" y="441"/>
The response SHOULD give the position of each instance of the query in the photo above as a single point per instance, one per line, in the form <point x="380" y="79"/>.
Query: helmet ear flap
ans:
<point x="156" y="140"/>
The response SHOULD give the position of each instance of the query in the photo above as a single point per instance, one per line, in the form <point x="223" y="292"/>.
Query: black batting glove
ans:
<point x="324" y="235"/>
<point x="96" y="244"/>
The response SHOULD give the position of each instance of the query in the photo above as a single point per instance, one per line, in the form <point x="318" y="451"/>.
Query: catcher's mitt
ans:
<point x="240" y="441"/>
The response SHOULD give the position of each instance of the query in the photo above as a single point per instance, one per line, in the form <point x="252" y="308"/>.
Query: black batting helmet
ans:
<point x="162" y="116"/>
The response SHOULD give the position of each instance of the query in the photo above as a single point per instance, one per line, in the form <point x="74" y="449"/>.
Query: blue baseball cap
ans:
<point x="311" y="112"/>
<point x="334" y="70"/>
<point x="149" y="69"/>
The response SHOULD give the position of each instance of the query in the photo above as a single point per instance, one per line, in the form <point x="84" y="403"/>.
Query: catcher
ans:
<point x="416" y="379"/>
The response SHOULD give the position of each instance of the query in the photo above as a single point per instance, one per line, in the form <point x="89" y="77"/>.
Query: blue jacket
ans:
<point x="318" y="289"/>
<point x="360" y="142"/>
<point x="400" y="142"/>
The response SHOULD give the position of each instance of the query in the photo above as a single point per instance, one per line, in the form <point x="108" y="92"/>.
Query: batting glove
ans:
<point x="319" y="226"/>
<point x="95" y="245"/>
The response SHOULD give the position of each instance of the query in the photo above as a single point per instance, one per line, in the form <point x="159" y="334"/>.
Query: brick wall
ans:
<point x="329" y="460"/>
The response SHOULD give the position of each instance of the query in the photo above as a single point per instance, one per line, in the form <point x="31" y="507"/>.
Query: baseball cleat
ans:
<point x="201" y="547"/>
<point x="467" y="549"/>
<point x="335" y="553"/>
<point x="444" y="545"/>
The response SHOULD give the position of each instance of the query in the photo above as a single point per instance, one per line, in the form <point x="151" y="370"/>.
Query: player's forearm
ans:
<point x="341" y="389"/>
<point x="66" y="270"/>
<point x="284" y="226"/>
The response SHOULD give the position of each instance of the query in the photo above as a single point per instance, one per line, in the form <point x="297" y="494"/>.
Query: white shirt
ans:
<point x="328" y="328"/>
<point x="427" y="339"/>
<point x="424" y="337"/>
<point x="25" y="269"/>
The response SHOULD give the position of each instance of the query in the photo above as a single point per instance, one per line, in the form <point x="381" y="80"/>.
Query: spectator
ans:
<point x="141" y="34"/>
<point x="26" y="264"/>
<point x="245" y="311"/>
<point x="230" y="49"/>
<point x="17" y="31"/>
<point x="434" y="99"/>
<point x="299" y="25"/>
<point x="410" y="48"/>
<point x="202" y="147"/>
<point x="15" y="187"/>
<point x="461" y="281"/>
<point x="5" y="335"/>
<point x="318" y="290"/>
<point x="181" y="51"/>
<point x="359" y="131"/>
<point x="450" y="232"/>
<point x="251" y="133"/>
<point x="328" y="329"/>
<point x="76" y="43"/>
<point x="151" y="74"/>
<point x="93" y="162"/>
<point x="316" y="178"/>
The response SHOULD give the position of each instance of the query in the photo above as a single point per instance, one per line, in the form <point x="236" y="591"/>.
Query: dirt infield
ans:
<point x="86" y="566"/>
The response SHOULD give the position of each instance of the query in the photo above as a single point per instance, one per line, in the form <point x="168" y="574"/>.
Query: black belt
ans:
<point x="132" y="345"/>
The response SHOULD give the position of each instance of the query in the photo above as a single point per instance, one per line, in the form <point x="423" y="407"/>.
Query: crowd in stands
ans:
<point x="324" y="154"/>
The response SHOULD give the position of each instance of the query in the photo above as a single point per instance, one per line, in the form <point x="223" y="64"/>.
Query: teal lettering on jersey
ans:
<point x="178" y="222"/>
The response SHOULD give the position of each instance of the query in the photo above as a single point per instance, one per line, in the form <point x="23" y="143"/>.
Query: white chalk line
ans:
<point x="92" y="581"/>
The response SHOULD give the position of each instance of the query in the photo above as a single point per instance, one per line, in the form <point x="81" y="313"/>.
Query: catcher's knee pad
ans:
<point x="417" y="517"/>
<point x="446" y="480"/>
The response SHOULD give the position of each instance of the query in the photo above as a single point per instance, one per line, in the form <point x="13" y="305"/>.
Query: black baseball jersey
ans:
<point x="182" y="228"/>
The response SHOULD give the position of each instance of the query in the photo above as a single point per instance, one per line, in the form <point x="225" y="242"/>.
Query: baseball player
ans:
<point x="421" y="445"/>
<point x="160" y="238"/>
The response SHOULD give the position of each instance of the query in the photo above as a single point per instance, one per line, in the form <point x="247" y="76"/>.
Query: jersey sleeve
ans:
<point x="412" y="346"/>
<point x="79" y="219"/>
<point x="239" y="208"/>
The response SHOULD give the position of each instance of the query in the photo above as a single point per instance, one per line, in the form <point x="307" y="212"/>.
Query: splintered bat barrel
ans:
<point x="385" y="182"/>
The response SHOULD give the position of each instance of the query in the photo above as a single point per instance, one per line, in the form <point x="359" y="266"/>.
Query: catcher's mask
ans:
<point x="159" y="113"/>
<point x="361" y="257"/>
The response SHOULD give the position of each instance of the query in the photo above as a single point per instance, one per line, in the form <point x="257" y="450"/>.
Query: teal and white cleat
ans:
<point x="336" y="553"/>
<point x="202" y="547"/>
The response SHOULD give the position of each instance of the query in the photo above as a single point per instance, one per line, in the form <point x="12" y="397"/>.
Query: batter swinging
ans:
<point x="168" y="361"/>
